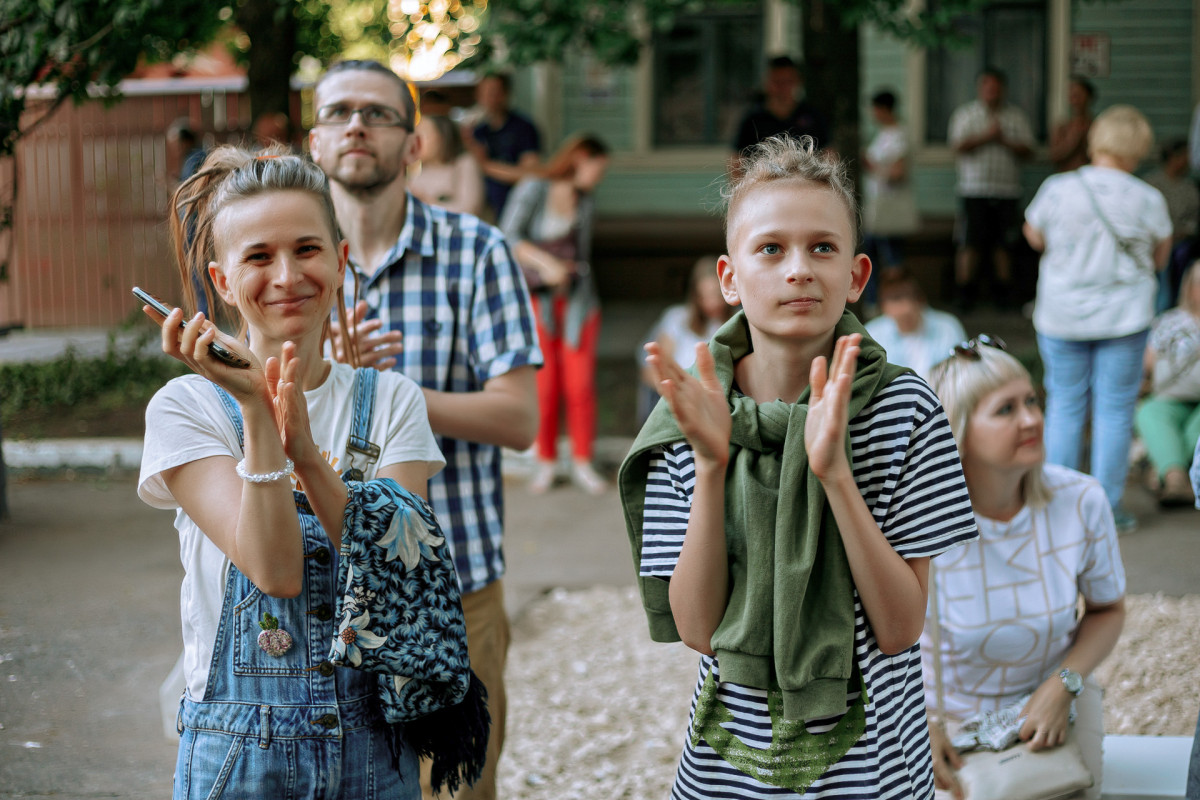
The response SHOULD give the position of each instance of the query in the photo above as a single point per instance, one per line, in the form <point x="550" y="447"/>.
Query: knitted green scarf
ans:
<point x="789" y="624"/>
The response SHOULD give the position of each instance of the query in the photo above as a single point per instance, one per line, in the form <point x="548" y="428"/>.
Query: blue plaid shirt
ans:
<point x="454" y="289"/>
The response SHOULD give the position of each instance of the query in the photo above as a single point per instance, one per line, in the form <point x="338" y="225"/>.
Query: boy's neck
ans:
<point x="779" y="370"/>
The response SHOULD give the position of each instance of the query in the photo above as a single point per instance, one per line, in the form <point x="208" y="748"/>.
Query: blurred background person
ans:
<point x="548" y="223"/>
<point x="1103" y="235"/>
<point x="889" y="206"/>
<point x="449" y="176"/>
<point x="184" y="146"/>
<point x="783" y="109"/>
<point x="272" y="128"/>
<point x="990" y="137"/>
<point x="681" y="327"/>
<point x="1068" y="139"/>
<point x="1046" y="541"/>
<point x="1183" y="204"/>
<point x="913" y="334"/>
<point x="1168" y="420"/>
<point x="506" y="144"/>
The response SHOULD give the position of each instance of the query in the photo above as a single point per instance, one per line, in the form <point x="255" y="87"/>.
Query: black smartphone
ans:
<point x="218" y="350"/>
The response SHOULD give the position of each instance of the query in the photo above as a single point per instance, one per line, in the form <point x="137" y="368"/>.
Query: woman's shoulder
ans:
<point x="1069" y="486"/>
<point x="186" y="391"/>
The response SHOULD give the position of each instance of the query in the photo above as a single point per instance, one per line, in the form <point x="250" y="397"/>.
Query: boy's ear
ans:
<point x="220" y="282"/>
<point x="725" y="276"/>
<point x="860" y="272"/>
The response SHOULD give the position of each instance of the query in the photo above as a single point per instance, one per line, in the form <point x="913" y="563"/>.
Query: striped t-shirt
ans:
<point x="906" y="465"/>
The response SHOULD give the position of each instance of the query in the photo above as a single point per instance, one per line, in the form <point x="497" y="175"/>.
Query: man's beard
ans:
<point x="366" y="186"/>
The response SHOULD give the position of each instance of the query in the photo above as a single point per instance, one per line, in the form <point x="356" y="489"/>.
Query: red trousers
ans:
<point x="568" y="374"/>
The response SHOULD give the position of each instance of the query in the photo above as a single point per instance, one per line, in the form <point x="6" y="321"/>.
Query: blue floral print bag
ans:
<point x="400" y="616"/>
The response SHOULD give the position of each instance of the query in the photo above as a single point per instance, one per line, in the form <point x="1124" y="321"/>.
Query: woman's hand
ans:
<point x="1046" y="715"/>
<point x="291" y="410"/>
<point x="376" y="348"/>
<point x="946" y="761"/>
<point x="191" y="347"/>
<point x="699" y="404"/>
<point x="829" y="409"/>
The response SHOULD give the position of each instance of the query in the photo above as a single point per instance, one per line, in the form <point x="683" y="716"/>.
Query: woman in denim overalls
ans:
<point x="265" y="714"/>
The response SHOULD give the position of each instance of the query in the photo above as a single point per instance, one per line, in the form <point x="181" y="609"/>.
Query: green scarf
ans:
<point x="789" y="624"/>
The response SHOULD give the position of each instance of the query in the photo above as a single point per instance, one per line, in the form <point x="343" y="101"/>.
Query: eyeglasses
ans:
<point x="970" y="348"/>
<point x="373" y="116"/>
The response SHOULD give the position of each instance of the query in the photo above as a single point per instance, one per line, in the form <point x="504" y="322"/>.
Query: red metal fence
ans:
<point x="93" y="188"/>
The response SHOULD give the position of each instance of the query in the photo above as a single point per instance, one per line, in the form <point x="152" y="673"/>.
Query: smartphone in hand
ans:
<point x="218" y="350"/>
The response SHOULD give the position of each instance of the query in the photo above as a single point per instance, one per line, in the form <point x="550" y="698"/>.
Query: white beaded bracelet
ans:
<point x="265" y="477"/>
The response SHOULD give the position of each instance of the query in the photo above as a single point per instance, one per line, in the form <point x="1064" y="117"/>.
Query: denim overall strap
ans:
<point x="361" y="453"/>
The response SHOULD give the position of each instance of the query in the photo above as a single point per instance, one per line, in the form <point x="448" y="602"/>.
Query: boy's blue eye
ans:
<point x="823" y="247"/>
<point x="771" y="249"/>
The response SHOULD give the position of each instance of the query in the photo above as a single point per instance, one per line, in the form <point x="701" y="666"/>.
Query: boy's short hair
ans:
<point x="961" y="383"/>
<point x="1121" y="131"/>
<point x="504" y="78"/>
<point x="884" y="99"/>
<point x="785" y="157"/>
<point x="408" y="94"/>
<point x="784" y="62"/>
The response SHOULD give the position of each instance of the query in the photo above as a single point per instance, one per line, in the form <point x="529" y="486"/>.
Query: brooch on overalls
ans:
<point x="274" y="641"/>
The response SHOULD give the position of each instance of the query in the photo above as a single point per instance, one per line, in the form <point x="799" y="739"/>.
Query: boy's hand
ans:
<point x="828" y="409"/>
<point x="699" y="405"/>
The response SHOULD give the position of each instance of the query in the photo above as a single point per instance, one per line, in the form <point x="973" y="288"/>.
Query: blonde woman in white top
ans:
<point x="1006" y="603"/>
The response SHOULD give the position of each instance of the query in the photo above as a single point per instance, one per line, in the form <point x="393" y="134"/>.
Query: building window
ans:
<point x="707" y="68"/>
<point x="1010" y="35"/>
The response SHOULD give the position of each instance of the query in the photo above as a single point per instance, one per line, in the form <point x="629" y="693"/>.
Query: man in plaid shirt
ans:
<point x="990" y="138"/>
<point x="448" y="286"/>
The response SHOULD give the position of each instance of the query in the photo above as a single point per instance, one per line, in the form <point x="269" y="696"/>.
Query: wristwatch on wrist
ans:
<point x="1072" y="681"/>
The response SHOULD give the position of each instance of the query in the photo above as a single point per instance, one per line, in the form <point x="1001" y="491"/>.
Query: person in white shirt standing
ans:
<point x="990" y="138"/>
<point x="1103" y="235"/>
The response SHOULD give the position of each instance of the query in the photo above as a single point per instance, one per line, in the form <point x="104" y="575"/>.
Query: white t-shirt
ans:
<point x="1087" y="287"/>
<point x="185" y="421"/>
<point x="923" y="348"/>
<point x="1007" y="601"/>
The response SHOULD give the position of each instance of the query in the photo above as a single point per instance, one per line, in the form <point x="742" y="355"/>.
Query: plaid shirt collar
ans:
<point x="417" y="234"/>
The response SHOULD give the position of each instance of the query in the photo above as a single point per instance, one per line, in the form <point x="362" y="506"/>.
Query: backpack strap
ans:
<point x="361" y="452"/>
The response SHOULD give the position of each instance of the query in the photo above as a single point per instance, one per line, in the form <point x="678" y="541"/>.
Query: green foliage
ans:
<point x="69" y="44"/>
<point x="124" y="372"/>
<point x="523" y="32"/>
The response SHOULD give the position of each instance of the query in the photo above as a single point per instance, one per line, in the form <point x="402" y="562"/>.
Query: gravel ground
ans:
<point x="598" y="711"/>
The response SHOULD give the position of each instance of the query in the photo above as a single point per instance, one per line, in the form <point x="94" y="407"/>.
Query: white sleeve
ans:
<point x="185" y="422"/>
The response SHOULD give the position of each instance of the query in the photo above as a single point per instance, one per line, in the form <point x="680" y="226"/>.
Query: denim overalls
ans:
<point x="291" y="726"/>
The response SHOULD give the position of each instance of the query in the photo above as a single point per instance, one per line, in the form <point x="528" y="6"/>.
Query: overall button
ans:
<point x="326" y="668"/>
<point x="327" y="720"/>
<point x="322" y="612"/>
<point x="321" y="555"/>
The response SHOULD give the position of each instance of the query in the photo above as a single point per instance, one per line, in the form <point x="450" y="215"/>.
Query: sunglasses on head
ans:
<point x="970" y="348"/>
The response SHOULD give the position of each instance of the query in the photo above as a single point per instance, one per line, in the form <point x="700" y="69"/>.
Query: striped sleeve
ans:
<point x="906" y="465"/>
<point x="669" y="482"/>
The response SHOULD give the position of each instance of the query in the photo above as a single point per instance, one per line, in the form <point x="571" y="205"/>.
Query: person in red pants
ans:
<point x="548" y="222"/>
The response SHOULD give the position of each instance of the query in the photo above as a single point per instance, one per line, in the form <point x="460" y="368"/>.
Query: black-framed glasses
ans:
<point x="970" y="348"/>
<point x="371" y="115"/>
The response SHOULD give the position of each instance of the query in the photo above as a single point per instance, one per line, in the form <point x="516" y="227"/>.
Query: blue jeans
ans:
<point x="1100" y="378"/>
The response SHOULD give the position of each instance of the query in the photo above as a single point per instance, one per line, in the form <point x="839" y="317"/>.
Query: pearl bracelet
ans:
<point x="264" y="477"/>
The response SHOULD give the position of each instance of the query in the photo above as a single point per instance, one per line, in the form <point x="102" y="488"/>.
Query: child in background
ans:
<point x="681" y="327"/>
<point x="783" y="507"/>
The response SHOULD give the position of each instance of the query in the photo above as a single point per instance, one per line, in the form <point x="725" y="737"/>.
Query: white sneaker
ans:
<point x="543" y="478"/>
<point x="586" y="478"/>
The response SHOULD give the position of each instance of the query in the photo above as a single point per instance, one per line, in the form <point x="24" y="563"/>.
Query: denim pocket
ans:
<point x="215" y="765"/>
<point x="249" y="657"/>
